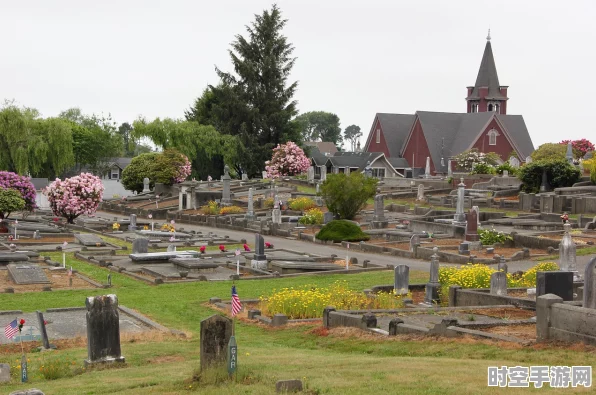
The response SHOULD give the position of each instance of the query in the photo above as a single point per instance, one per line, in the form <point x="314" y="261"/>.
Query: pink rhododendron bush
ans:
<point x="288" y="160"/>
<point x="22" y="184"/>
<point x="580" y="147"/>
<point x="75" y="196"/>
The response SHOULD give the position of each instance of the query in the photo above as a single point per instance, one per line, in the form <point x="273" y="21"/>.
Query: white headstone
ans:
<point x="264" y="174"/>
<point x="528" y="159"/>
<point x="310" y="174"/>
<point x="427" y="169"/>
<point x="477" y="209"/>
<point x="514" y="162"/>
<point x="449" y="170"/>
<point x="420" y="195"/>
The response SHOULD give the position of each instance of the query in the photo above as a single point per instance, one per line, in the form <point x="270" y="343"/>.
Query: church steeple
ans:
<point x="487" y="94"/>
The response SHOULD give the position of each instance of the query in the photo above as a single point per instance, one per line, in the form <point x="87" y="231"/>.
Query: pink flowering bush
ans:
<point x="287" y="160"/>
<point x="580" y="147"/>
<point x="75" y="196"/>
<point x="22" y="184"/>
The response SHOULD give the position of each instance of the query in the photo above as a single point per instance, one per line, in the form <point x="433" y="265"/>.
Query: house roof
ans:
<point x="487" y="76"/>
<point x="120" y="162"/>
<point x="353" y="159"/>
<point x="317" y="157"/>
<point x="323" y="146"/>
<point x="449" y="134"/>
<point x="398" y="163"/>
<point x="396" y="128"/>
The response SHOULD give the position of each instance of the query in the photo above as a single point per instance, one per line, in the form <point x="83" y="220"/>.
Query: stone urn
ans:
<point x="183" y="273"/>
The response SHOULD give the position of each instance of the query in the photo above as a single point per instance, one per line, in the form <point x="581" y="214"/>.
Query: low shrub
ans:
<point x="345" y="195"/>
<point x="211" y="208"/>
<point x="483" y="168"/>
<point x="302" y="204"/>
<point x="593" y="172"/>
<point x="559" y="173"/>
<point x="507" y="166"/>
<point x="231" y="210"/>
<point x="309" y="301"/>
<point x="492" y="236"/>
<point x="268" y="203"/>
<point x="341" y="230"/>
<point x="314" y="216"/>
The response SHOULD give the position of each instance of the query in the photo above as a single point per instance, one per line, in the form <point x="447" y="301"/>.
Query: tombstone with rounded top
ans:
<point x="215" y="336"/>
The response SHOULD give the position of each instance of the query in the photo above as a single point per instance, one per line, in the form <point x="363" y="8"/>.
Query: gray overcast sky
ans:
<point x="355" y="58"/>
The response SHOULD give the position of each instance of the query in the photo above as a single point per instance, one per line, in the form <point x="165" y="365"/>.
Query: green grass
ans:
<point x="306" y="189"/>
<point x="360" y="364"/>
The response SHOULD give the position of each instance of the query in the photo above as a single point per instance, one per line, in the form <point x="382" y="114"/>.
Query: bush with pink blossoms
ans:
<point x="580" y="147"/>
<point x="75" y="196"/>
<point x="288" y="160"/>
<point x="22" y="184"/>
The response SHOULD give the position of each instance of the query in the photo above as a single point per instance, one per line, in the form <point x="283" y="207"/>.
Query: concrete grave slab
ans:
<point x="89" y="240"/>
<point x="23" y="274"/>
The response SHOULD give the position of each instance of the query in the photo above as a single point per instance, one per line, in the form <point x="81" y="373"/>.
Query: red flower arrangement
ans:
<point x="565" y="217"/>
<point x="246" y="247"/>
<point x="222" y="248"/>
<point x="21" y="323"/>
<point x="268" y="245"/>
<point x="202" y="249"/>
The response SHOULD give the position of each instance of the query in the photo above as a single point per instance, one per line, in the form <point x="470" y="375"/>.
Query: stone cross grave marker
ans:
<point x="590" y="285"/>
<point x="146" y="185"/>
<point x="472" y="226"/>
<point x="514" y="162"/>
<point x="498" y="283"/>
<point x="22" y="274"/>
<point x="103" y="330"/>
<point x="215" y="336"/>
<point x="89" y="240"/>
<point x="140" y="245"/>
<point x="133" y="222"/>
<point x="420" y="195"/>
<point x="401" y="283"/>
<point x="432" y="287"/>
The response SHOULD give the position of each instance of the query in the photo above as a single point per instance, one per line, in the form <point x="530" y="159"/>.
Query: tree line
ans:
<point x="237" y="121"/>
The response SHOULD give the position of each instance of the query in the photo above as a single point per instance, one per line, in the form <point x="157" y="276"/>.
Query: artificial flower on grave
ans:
<point x="145" y="227"/>
<point x="268" y="245"/>
<point x="21" y="324"/>
<point x="222" y="248"/>
<point x="246" y="247"/>
<point x="565" y="217"/>
<point x="202" y="249"/>
<point x="116" y="226"/>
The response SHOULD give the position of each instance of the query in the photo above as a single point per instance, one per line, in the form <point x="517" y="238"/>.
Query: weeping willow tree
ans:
<point x="31" y="145"/>
<point x="207" y="149"/>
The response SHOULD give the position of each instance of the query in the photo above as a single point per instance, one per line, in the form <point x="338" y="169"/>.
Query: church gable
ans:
<point x="416" y="148"/>
<point x="376" y="141"/>
<point x="494" y="138"/>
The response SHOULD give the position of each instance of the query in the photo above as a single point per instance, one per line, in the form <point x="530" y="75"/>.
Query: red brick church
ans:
<point x="441" y="135"/>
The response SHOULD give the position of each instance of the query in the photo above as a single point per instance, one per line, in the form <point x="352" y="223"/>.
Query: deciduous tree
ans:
<point x="320" y="126"/>
<point x="287" y="160"/>
<point x="352" y="134"/>
<point x="75" y="196"/>
<point x="10" y="201"/>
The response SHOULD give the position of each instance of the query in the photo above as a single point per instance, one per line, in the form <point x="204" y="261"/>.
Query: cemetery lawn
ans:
<point x="340" y="361"/>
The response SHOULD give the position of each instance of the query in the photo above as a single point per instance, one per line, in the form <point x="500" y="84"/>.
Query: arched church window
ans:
<point x="492" y="137"/>
<point x="490" y="107"/>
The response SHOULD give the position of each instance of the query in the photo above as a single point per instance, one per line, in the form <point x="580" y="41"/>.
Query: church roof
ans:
<point x="395" y="130"/>
<point x="487" y="76"/>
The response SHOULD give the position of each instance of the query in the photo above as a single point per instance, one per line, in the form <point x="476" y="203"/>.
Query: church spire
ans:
<point x="487" y="94"/>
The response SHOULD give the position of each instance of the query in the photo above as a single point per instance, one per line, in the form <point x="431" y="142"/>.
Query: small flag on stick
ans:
<point x="11" y="329"/>
<point x="236" y="304"/>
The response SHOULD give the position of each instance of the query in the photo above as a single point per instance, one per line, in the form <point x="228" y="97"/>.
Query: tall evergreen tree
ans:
<point x="256" y="101"/>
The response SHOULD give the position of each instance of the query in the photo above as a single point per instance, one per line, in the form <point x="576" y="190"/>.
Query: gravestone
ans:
<point x="498" y="283"/>
<point x="4" y="373"/>
<point x="215" y="336"/>
<point x="590" y="285"/>
<point x="133" y="222"/>
<point x="42" y="330"/>
<point x="327" y="217"/>
<point x="225" y="197"/>
<point x="250" y="212"/>
<point x="379" y="208"/>
<point x="505" y="173"/>
<point x="318" y="188"/>
<point x="472" y="226"/>
<point x="528" y="159"/>
<point x="414" y="242"/>
<point x="146" y="185"/>
<point x="514" y="162"/>
<point x="420" y="194"/>
<point x="264" y="174"/>
<point x="558" y="283"/>
<point x="544" y="185"/>
<point x="401" y="283"/>
<point x="310" y="176"/>
<point x="103" y="330"/>
<point x="567" y="251"/>
<point x="432" y="287"/>
<point x="323" y="173"/>
<point x="569" y="153"/>
<point x="36" y="235"/>
<point x="259" y="260"/>
<point x="244" y="177"/>
<point x="477" y="209"/>
<point x="502" y="266"/>
<point x="171" y="248"/>
<point x="276" y="216"/>
<point x="140" y="245"/>
<point x="460" y="217"/>
<point x="449" y="170"/>
<point x="12" y="257"/>
<point x="427" y="168"/>
<point x="89" y="240"/>
<point x="464" y="248"/>
<point x="22" y="274"/>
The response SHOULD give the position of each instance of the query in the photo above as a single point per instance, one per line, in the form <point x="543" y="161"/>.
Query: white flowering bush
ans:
<point x="468" y="159"/>
<point x="75" y="196"/>
<point x="288" y="160"/>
